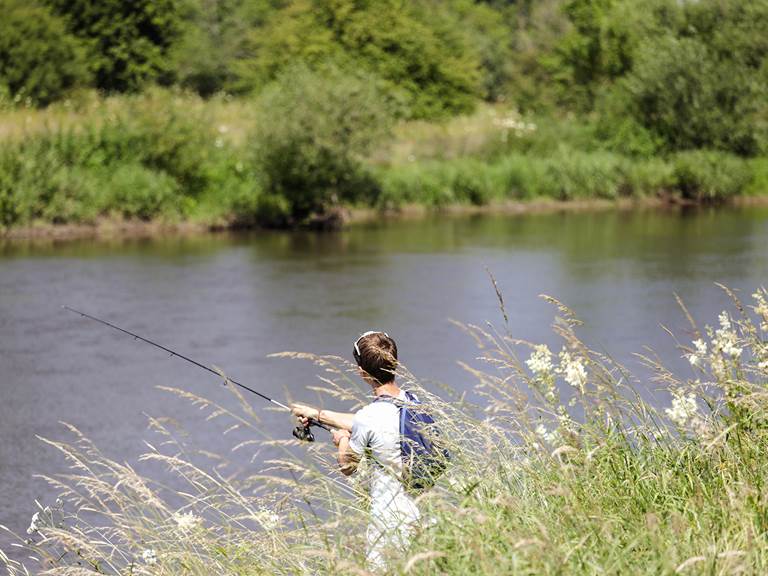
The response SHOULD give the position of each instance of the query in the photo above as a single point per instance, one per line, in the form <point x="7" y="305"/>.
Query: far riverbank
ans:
<point x="113" y="228"/>
<point x="164" y="163"/>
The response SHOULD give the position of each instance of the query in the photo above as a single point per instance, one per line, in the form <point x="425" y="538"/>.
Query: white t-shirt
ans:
<point x="376" y="428"/>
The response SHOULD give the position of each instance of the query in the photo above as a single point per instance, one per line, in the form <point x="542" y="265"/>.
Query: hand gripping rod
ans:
<point x="312" y="422"/>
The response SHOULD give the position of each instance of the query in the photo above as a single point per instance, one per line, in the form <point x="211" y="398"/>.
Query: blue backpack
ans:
<point x="423" y="459"/>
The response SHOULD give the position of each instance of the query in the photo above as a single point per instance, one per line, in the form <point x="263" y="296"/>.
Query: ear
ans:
<point x="365" y="376"/>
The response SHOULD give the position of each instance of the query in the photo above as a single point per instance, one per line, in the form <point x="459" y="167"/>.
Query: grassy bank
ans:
<point x="172" y="158"/>
<point x="560" y="467"/>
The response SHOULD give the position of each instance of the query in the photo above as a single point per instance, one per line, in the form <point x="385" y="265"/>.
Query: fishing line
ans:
<point x="299" y="432"/>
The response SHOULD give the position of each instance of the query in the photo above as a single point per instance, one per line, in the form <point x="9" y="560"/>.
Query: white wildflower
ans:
<point x="149" y="556"/>
<point x="761" y="309"/>
<point x="695" y="358"/>
<point x="573" y="370"/>
<point x="34" y="524"/>
<point x="219" y="143"/>
<point x="187" y="520"/>
<point x="725" y="339"/>
<point x="516" y="124"/>
<point x="683" y="408"/>
<point x="268" y="519"/>
<point x="540" y="362"/>
<point x="550" y="437"/>
<point x="730" y="349"/>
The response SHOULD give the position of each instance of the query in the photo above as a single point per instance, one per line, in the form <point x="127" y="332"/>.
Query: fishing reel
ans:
<point x="303" y="433"/>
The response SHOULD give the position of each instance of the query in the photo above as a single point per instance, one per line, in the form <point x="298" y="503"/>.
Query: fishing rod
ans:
<point x="300" y="432"/>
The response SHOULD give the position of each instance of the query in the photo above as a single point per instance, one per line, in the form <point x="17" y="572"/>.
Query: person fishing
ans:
<point x="375" y="429"/>
<point x="400" y="438"/>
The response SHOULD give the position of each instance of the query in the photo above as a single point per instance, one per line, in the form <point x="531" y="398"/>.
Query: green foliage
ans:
<point x="601" y="45"/>
<point x="646" y="177"/>
<point x="569" y="174"/>
<point x="419" y="51"/>
<point x="128" y="41"/>
<point x="156" y="157"/>
<point x="139" y="192"/>
<point x="313" y="129"/>
<point x="39" y="61"/>
<point x="487" y="31"/>
<point x="682" y="93"/>
<point x="706" y="175"/>
<point x="537" y="29"/>
<point x="207" y="56"/>
<point x="759" y="184"/>
<point x="578" y="175"/>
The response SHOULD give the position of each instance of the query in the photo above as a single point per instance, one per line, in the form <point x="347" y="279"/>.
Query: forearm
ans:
<point x="340" y="420"/>
<point x="346" y="458"/>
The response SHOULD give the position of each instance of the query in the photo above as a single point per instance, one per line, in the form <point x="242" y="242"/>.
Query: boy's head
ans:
<point x="376" y="354"/>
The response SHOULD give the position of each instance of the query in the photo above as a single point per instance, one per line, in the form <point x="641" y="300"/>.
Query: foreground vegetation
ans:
<point x="560" y="464"/>
<point x="592" y="99"/>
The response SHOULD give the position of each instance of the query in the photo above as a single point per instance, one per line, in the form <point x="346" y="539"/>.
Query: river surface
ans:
<point x="231" y="300"/>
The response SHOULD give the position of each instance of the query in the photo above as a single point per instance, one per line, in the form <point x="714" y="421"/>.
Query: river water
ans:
<point x="231" y="300"/>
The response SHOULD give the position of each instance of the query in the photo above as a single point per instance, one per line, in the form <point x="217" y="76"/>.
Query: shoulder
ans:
<point x="373" y="412"/>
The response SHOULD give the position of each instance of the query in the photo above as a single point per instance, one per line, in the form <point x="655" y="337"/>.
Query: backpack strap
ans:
<point x="409" y="397"/>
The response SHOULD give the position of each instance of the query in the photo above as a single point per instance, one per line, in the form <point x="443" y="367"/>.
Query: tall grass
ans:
<point x="570" y="174"/>
<point x="153" y="156"/>
<point x="174" y="157"/>
<point x="559" y="466"/>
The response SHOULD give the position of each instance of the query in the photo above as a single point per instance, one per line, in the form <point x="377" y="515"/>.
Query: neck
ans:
<point x="390" y="389"/>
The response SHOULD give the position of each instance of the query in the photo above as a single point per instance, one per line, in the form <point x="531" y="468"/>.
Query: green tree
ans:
<point x="601" y="44"/>
<point x="486" y="32"/>
<point x="128" y="41"/>
<point x="315" y="128"/>
<point x="536" y="29"/>
<point x="429" y="64"/>
<point x="39" y="60"/>
<point x="682" y="92"/>
<point x="215" y="32"/>
<point x="704" y="82"/>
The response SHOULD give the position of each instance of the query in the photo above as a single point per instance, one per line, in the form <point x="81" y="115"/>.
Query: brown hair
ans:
<point x="378" y="356"/>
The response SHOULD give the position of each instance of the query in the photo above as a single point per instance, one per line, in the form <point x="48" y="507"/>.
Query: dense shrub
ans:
<point x="706" y="175"/>
<point x="569" y="175"/>
<point x="428" y="183"/>
<point x="313" y="129"/>
<point x="759" y="183"/>
<point x="39" y="60"/>
<point x="128" y="41"/>
<point x="134" y="191"/>
<point x="649" y="177"/>
<point x="579" y="175"/>
<point x="529" y="176"/>
<point x="148" y="157"/>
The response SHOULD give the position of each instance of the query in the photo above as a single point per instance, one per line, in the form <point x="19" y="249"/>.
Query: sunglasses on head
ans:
<point x="356" y="352"/>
